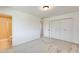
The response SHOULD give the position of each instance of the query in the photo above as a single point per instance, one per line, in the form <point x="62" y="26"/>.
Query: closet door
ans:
<point x="55" y="29"/>
<point x="62" y="29"/>
<point x="67" y="30"/>
<point x="46" y="28"/>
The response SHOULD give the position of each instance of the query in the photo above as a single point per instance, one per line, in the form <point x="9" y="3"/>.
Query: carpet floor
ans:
<point x="45" y="45"/>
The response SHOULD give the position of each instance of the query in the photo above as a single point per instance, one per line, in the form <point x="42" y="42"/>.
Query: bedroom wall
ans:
<point x="25" y="27"/>
<point x="74" y="16"/>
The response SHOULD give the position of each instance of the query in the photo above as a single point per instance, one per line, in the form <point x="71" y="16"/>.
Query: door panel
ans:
<point x="67" y="29"/>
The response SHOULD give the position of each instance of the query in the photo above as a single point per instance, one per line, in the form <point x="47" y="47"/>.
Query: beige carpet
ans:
<point x="45" y="45"/>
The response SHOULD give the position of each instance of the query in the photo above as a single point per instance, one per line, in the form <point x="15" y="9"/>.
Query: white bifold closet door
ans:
<point x="62" y="29"/>
<point x="59" y="28"/>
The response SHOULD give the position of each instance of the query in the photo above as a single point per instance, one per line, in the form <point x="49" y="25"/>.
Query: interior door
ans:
<point x="5" y="32"/>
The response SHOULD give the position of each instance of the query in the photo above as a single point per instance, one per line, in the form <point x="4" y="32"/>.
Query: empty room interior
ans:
<point x="39" y="29"/>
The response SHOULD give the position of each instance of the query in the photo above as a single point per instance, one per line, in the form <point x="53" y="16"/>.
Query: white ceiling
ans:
<point x="57" y="10"/>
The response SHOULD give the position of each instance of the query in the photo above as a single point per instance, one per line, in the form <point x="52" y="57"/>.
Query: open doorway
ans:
<point x="5" y="32"/>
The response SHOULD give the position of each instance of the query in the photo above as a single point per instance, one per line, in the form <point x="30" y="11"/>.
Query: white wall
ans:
<point x="25" y="27"/>
<point x="74" y="16"/>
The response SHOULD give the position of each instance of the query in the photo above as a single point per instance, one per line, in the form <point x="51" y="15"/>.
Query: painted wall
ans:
<point x="74" y="16"/>
<point x="25" y="27"/>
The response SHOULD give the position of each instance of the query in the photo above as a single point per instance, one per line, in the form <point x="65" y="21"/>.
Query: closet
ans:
<point x="59" y="28"/>
<point x="5" y="32"/>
